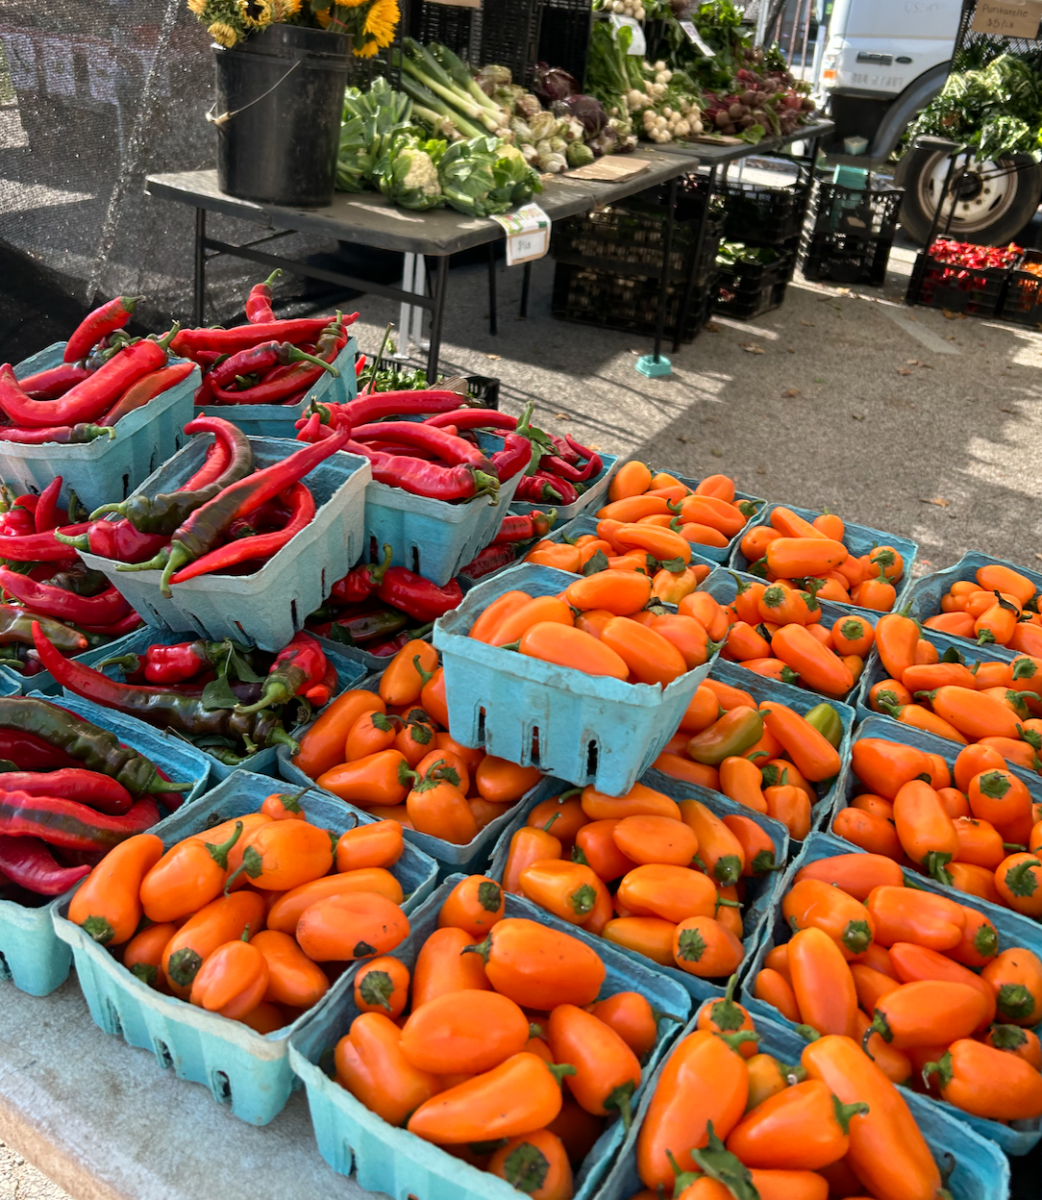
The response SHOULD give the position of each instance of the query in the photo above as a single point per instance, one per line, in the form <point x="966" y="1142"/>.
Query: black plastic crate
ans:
<point x="754" y="302"/>
<point x="869" y="212"/>
<point x="484" y="388"/>
<point x="847" y="258"/>
<point x="747" y="289"/>
<point x="500" y="31"/>
<point x="976" y="292"/>
<point x="612" y="300"/>
<point x="564" y="35"/>
<point x="764" y="214"/>
<point x="1022" y="303"/>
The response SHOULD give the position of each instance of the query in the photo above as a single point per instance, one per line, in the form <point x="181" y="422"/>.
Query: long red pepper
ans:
<point x="27" y="862"/>
<point x="421" y="599"/>
<point x="104" y="609"/>
<point x="300" y="376"/>
<point x="473" y="418"/>
<point x="426" y="478"/>
<point x="261" y="545"/>
<point x="242" y="337"/>
<point x="360" y="582"/>
<point x="71" y="825"/>
<point x="298" y="667"/>
<point x="146" y="389"/>
<point x="260" y="359"/>
<point x="513" y="458"/>
<point x="65" y="435"/>
<point x="40" y="547"/>
<point x="394" y="404"/>
<point x="46" y="515"/>
<point x="92" y="788"/>
<point x="523" y="528"/>
<point x="451" y="449"/>
<point x="98" y="324"/>
<point x="258" y="303"/>
<point x="118" y="628"/>
<point x="54" y="382"/>
<point x="89" y="399"/>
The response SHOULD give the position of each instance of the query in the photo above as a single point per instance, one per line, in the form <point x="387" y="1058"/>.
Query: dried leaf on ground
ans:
<point x="711" y="327"/>
<point x="789" y="393"/>
<point x="562" y="416"/>
<point x="949" y="315"/>
<point x="939" y="501"/>
<point x="749" y="348"/>
<point x="903" y="371"/>
<point x="803" y="322"/>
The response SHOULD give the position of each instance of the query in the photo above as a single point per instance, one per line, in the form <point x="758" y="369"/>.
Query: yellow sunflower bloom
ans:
<point x="381" y="21"/>
<point x="196" y="6"/>
<point x="264" y="16"/>
<point x="223" y="35"/>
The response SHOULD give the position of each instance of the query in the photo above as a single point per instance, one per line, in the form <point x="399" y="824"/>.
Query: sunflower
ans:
<point x="380" y="23"/>
<point x="196" y="6"/>
<point x="262" y="14"/>
<point x="222" y="34"/>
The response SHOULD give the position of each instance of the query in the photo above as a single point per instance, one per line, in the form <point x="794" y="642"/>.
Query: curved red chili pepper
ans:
<point x="448" y="447"/>
<point x="54" y="382"/>
<point x="104" y="609"/>
<point x="27" y="862"/>
<point x="259" y="359"/>
<point x="258" y="303"/>
<point x="70" y="824"/>
<point x="98" y="324"/>
<point x="40" y="547"/>
<point x="261" y="545"/>
<point x="513" y="458"/>
<point x="46" y="515"/>
<point x="66" y="435"/>
<point x="473" y="418"/>
<point x="146" y="389"/>
<point x="360" y="583"/>
<point x="298" y="666"/>
<point x="421" y="599"/>
<point x="242" y="337"/>
<point x="398" y="404"/>
<point x="299" y="377"/>
<point x="92" y="788"/>
<point x="427" y="478"/>
<point x="492" y="558"/>
<point x="120" y="628"/>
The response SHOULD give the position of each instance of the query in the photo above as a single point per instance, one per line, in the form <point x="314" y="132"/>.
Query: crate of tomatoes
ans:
<point x="254" y="902"/>
<point x="963" y="277"/>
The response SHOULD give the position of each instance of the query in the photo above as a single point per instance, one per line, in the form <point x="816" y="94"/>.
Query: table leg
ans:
<point x="663" y="288"/>
<point x="493" y="327"/>
<point x="700" y="240"/>
<point x="440" y="289"/>
<point x="526" y="281"/>
<point x="200" y="268"/>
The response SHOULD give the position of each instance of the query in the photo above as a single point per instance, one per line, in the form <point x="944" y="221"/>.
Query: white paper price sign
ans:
<point x="638" y="45"/>
<point x="695" y="38"/>
<point x="528" y="233"/>
<point x="1007" y="18"/>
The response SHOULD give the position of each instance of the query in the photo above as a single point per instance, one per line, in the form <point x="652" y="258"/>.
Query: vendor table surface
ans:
<point x="710" y="155"/>
<point x="369" y="219"/>
<point x="106" y="1122"/>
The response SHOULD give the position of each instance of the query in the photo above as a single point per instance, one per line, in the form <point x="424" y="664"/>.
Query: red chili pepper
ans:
<point x="546" y="489"/>
<point x="87" y="400"/>
<point x="492" y="558"/>
<point x="523" y="528"/>
<point x="39" y="547"/>
<point x="450" y="449"/>
<point x="297" y="667"/>
<point x="258" y="303"/>
<point x="591" y="455"/>
<point x="31" y="753"/>
<point x="421" y="599"/>
<point x="513" y="458"/>
<point x="174" y="664"/>
<point x="98" y="324"/>
<point x="27" y="862"/>
<point x="260" y="359"/>
<point x="473" y="418"/>
<point x="399" y="404"/>
<point x="261" y="545"/>
<point x="427" y="478"/>
<point x="69" y="824"/>
<point x="242" y="337"/>
<point x="105" y="608"/>
<point x="301" y="375"/>
<point x="322" y="693"/>
<point x="120" y="628"/>
<point x="46" y="515"/>
<point x="146" y="389"/>
<point x="360" y="583"/>
<point x="54" y="382"/>
<point x="92" y="788"/>
<point x="312" y="430"/>
<point x="360" y="362"/>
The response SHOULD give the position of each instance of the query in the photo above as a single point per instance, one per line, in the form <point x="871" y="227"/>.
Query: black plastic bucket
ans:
<point x="280" y="98"/>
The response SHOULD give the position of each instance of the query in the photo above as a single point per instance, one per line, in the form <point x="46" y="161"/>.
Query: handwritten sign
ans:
<point x="1007" y="18"/>
<point x="528" y="233"/>
<point x="695" y="38"/>
<point x="639" y="44"/>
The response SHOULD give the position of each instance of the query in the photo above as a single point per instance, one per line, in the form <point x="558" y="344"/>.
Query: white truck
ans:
<point x="884" y="61"/>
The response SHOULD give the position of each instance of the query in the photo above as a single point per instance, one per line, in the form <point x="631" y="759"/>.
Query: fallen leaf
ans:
<point x="493" y="355"/>
<point x="803" y="322"/>
<point x="711" y="327"/>
<point x="749" y="348"/>
<point x="913" y="362"/>
<point x="789" y="393"/>
<point x="763" y="471"/>
<point x="562" y="417"/>
<point x="949" y="315"/>
<point x="680" y="438"/>
<point x="789" y="350"/>
<point x="592" y="446"/>
<point x="1009" y="410"/>
<point x="903" y="371"/>
<point x="858" y="416"/>
<point x="716" y="453"/>
<point x="938" y="500"/>
<point x="1037" y="555"/>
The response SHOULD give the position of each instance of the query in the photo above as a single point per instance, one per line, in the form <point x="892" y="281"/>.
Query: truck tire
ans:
<point x="989" y="212"/>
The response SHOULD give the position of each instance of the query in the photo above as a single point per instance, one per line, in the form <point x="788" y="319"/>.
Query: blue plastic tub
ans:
<point x="981" y="1169"/>
<point x="858" y="539"/>
<point x="31" y="956"/>
<point x="760" y="894"/>
<point x="968" y="653"/>
<point x="391" y="1160"/>
<point x="1013" y="929"/>
<point x="246" y="1070"/>
<point x="590" y="729"/>
<point x="924" y="596"/>
<point x="723" y="586"/>
<point x="434" y="538"/>
<point x="592" y="497"/>
<point x="469" y="859"/>
<point x="270" y="605"/>
<point x="105" y="469"/>
<point x="800" y="701"/>
<point x="349" y="675"/>
<point x="280" y="420"/>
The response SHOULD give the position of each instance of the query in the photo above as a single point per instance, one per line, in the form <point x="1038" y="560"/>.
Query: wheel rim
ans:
<point x="980" y="202"/>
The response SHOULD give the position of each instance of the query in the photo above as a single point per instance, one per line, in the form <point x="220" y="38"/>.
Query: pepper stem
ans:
<point x="619" y="1099"/>
<point x="279" y="737"/>
<point x="295" y="354"/>
<point x="219" y="853"/>
<point x="377" y="573"/>
<point x="845" y="1111"/>
<point x="272" y="277"/>
<point x="879" y="1025"/>
<point x="177" y="557"/>
<point x="154" y="564"/>
<point x="560" y="1070"/>
<point x="167" y="338"/>
<point x="129" y="662"/>
<point x="80" y="543"/>
<point x="484" y="949"/>
<point x="168" y="785"/>
<point x="485" y="484"/>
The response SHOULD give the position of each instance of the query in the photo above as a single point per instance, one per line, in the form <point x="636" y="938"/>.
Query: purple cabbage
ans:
<point x="553" y="83"/>
<point x="585" y="109"/>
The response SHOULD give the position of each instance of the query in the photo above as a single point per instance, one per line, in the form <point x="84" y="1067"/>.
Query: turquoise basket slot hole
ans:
<point x="5" y="970"/>
<point x="221" y="1087"/>
<point x="163" y="1055"/>
<point x="591" y="758"/>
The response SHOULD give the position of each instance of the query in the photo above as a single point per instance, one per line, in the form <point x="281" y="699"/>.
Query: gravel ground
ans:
<point x="20" y="1180"/>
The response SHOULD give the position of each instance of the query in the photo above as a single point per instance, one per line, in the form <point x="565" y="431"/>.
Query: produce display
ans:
<point x="69" y="792"/>
<point x="104" y="375"/>
<point x="764" y="755"/>
<point x="243" y="919"/>
<point x="925" y="984"/>
<point x="679" y="870"/>
<point x="390" y="752"/>
<point x="999" y="606"/>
